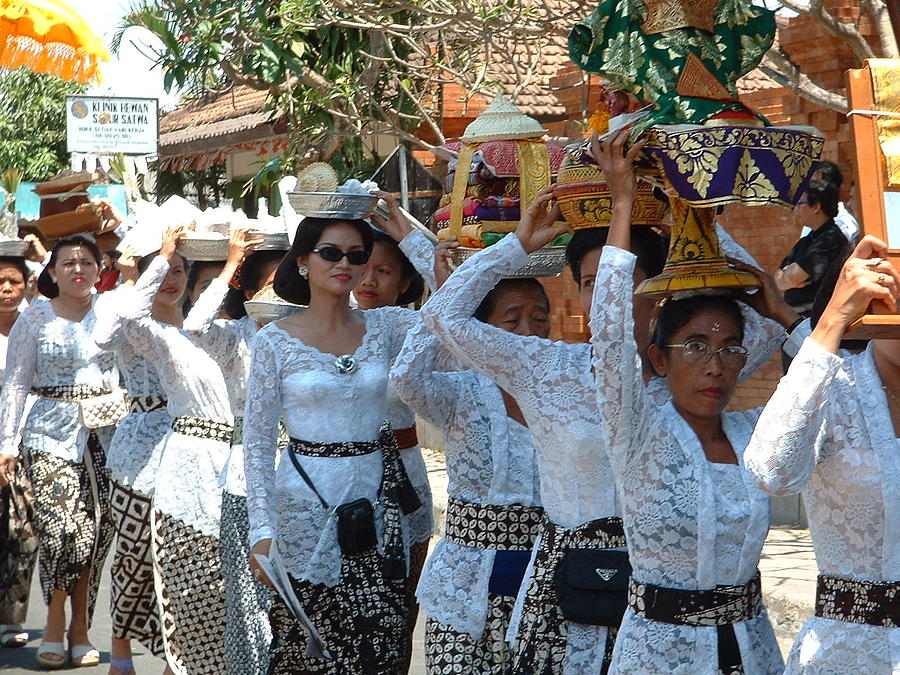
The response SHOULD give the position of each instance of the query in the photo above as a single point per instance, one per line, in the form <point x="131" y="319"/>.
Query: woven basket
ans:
<point x="545" y="262"/>
<point x="14" y="248"/>
<point x="271" y="241"/>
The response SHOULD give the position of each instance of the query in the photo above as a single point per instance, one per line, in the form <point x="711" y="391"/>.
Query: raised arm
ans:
<point x="420" y="252"/>
<point x="108" y="333"/>
<point x="261" y="417"/>
<point x="766" y="315"/>
<point x="417" y="378"/>
<point x="792" y="432"/>
<point x="21" y="363"/>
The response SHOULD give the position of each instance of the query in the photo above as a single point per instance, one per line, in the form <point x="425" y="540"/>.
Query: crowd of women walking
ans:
<point x="606" y="514"/>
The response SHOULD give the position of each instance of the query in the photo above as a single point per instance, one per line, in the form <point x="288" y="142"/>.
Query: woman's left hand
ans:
<point x="443" y="252"/>
<point x="768" y="300"/>
<point x="539" y="226"/>
<point x="242" y="239"/>
<point x="396" y="225"/>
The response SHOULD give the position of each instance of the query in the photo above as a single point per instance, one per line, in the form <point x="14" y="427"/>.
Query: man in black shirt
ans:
<point x="802" y="270"/>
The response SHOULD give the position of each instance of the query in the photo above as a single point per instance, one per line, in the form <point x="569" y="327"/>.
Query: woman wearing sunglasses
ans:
<point x="339" y="500"/>
<point x="694" y="522"/>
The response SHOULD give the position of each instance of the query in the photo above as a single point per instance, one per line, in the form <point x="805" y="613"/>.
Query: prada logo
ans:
<point x="605" y="573"/>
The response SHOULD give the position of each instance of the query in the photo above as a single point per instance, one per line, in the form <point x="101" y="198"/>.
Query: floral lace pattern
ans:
<point x="302" y="386"/>
<point x="490" y="460"/>
<point x="187" y="480"/>
<point x="136" y="446"/>
<point x="673" y="498"/>
<point x="45" y="350"/>
<point x="827" y="432"/>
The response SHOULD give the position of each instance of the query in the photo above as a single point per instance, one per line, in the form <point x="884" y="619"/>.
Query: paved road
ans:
<point x="17" y="661"/>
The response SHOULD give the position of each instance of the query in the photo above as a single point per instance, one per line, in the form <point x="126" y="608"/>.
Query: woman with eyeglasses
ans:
<point x="831" y="431"/>
<point x="338" y="502"/>
<point x="553" y="385"/>
<point x="694" y="522"/>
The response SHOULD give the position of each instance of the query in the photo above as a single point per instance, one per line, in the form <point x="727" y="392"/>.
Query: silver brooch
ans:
<point x="345" y="364"/>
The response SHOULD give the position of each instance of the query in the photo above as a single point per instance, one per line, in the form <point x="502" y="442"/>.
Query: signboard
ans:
<point x="108" y="125"/>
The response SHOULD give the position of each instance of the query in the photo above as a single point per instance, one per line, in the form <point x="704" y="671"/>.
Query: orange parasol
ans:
<point x="48" y="36"/>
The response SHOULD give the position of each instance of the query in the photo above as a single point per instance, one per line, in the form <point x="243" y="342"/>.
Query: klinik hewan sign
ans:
<point x="107" y="125"/>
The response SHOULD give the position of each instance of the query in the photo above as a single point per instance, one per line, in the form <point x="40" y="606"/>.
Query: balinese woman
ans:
<point x="324" y="372"/>
<point x="694" y="522"/>
<point x="186" y="495"/>
<point x="552" y="384"/>
<point x="134" y="455"/>
<point x="248" y="634"/>
<point x="831" y="431"/>
<point x="18" y="552"/>
<point x="51" y="355"/>
<point x="471" y="581"/>
<point x="402" y="262"/>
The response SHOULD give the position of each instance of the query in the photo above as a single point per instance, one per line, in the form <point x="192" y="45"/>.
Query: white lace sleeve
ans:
<point x="108" y="333"/>
<point x="515" y="362"/>
<point x="420" y="252"/>
<point x="220" y="338"/>
<point x="617" y="367"/>
<point x="762" y="336"/>
<point x="21" y="361"/>
<point x="142" y="330"/>
<point x="261" y="417"/>
<point x="791" y="434"/>
<point x="418" y="380"/>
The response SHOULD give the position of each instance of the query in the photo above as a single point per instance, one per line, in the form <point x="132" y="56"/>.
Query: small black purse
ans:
<point x="592" y="586"/>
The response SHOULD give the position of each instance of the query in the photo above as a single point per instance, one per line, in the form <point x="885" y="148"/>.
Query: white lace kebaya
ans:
<point x="490" y="460"/>
<point x="554" y="387"/>
<point x="690" y="524"/>
<point x="45" y="350"/>
<point x="319" y="399"/>
<point x="187" y="482"/>
<point x="827" y="432"/>
<point x="134" y="454"/>
<point x="227" y="341"/>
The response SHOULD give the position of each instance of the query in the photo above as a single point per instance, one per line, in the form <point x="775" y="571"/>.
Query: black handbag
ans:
<point x="355" y="520"/>
<point x="592" y="586"/>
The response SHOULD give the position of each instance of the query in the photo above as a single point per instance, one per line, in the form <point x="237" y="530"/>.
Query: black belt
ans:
<point x="876" y="603"/>
<point x="146" y="404"/>
<point x="345" y="449"/>
<point x="69" y="392"/>
<point x="203" y="428"/>
<point x="715" y="607"/>
<point x="489" y="526"/>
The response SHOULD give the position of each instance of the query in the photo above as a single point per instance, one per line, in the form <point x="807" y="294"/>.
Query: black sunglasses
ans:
<point x="334" y="254"/>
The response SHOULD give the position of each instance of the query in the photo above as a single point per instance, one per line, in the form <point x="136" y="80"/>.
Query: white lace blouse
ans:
<point x="46" y="350"/>
<point x="301" y="386"/>
<point x="689" y="523"/>
<point x="490" y="460"/>
<point x="187" y="482"/>
<point x="827" y="432"/>
<point x="228" y="342"/>
<point x="136" y="447"/>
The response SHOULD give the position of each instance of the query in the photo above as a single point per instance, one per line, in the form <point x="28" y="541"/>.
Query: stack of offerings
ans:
<point x="497" y="168"/>
<point x="66" y="209"/>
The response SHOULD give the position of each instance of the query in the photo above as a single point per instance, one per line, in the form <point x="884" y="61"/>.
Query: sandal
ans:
<point x="13" y="635"/>
<point x="84" y="656"/>
<point x="46" y="650"/>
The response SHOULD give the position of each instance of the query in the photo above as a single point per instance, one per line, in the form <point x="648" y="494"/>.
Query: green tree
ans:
<point x="342" y="70"/>
<point x="33" y="122"/>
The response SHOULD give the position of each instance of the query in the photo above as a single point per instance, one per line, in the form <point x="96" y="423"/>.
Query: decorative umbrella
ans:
<point x="48" y="36"/>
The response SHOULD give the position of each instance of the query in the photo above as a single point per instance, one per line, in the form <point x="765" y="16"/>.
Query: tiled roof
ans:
<point x="216" y="116"/>
<point x="537" y="98"/>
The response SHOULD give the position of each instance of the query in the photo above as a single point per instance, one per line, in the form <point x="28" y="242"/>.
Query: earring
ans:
<point x="304" y="271"/>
